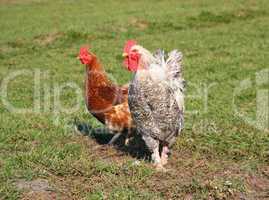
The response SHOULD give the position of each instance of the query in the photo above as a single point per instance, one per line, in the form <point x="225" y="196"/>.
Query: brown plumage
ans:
<point x="106" y="101"/>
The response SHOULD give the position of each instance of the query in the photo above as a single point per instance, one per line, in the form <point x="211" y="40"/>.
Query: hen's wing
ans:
<point x="124" y="91"/>
<point x="118" y="117"/>
<point x="113" y="93"/>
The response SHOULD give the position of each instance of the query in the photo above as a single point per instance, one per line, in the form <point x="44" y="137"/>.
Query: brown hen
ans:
<point x="106" y="101"/>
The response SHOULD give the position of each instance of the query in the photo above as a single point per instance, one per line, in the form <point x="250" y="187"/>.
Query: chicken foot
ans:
<point x="157" y="160"/>
<point x="164" y="155"/>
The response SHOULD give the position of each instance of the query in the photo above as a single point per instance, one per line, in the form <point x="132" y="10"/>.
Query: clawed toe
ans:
<point x="164" y="161"/>
<point x="160" y="168"/>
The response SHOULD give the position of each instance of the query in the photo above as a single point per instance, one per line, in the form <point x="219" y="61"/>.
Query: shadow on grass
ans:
<point x="136" y="146"/>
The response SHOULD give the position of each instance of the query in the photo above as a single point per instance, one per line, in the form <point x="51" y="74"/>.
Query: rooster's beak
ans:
<point x="124" y="55"/>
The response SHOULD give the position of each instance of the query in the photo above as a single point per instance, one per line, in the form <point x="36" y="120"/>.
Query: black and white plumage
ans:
<point x="156" y="100"/>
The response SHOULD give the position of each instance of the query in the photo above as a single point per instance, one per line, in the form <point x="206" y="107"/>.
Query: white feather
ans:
<point x="157" y="73"/>
<point x="160" y="69"/>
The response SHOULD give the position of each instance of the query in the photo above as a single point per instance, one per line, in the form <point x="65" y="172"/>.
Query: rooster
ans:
<point x="106" y="101"/>
<point x="156" y="98"/>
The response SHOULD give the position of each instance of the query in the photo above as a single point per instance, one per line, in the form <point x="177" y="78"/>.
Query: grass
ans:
<point x="218" y="155"/>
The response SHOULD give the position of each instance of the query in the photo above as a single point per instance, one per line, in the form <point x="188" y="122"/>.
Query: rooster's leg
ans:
<point x="153" y="146"/>
<point x="155" y="156"/>
<point x="164" y="155"/>
<point x="157" y="160"/>
<point x="114" y="138"/>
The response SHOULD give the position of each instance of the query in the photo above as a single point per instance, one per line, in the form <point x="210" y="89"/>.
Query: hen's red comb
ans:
<point x="128" y="45"/>
<point x="84" y="55"/>
<point x="84" y="50"/>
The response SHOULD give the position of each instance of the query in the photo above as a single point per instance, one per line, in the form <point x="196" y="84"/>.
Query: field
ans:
<point x="223" y="152"/>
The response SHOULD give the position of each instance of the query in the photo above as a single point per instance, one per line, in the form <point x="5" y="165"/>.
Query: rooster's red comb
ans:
<point x="128" y="45"/>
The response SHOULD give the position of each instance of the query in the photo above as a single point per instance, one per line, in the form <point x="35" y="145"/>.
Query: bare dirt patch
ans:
<point x="41" y="195"/>
<point x="36" y="189"/>
<point x="139" y="23"/>
<point x="47" y="39"/>
<point x="258" y="186"/>
<point x="35" y="185"/>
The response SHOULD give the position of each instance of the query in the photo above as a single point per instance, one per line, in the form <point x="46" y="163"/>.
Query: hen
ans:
<point x="106" y="101"/>
<point x="156" y="98"/>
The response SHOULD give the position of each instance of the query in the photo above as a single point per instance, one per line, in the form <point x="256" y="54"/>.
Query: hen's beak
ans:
<point x="124" y="55"/>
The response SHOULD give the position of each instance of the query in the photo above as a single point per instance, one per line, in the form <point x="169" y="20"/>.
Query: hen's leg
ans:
<point x="164" y="155"/>
<point x="114" y="138"/>
<point x="128" y="136"/>
<point x="127" y="141"/>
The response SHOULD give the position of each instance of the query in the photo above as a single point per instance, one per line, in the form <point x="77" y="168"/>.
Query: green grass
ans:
<point x="218" y="155"/>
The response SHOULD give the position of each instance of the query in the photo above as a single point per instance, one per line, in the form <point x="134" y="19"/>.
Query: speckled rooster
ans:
<point x="156" y="98"/>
